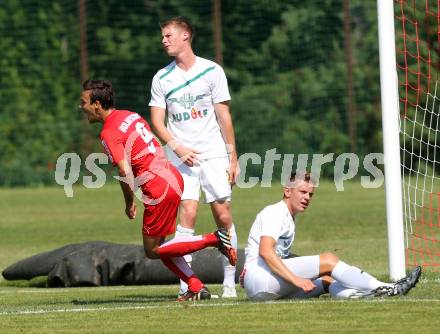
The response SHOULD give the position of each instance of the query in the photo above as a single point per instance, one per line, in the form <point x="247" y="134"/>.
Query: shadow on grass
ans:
<point x="37" y="282"/>
<point x="150" y="298"/>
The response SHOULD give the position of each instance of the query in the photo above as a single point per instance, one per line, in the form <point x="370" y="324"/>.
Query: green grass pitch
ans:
<point x="350" y="223"/>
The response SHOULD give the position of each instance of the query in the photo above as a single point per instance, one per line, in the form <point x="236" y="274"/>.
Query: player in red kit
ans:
<point x="141" y="162"/>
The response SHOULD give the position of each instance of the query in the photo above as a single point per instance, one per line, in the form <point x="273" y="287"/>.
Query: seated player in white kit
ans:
<point x="270" y="273"/>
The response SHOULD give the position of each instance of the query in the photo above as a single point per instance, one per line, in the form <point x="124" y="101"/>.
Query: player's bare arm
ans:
<point x="188" y="155"/>
<point x="127" y="186"/>
<point x="267" y="252"/>
<point x="224" y="120"/>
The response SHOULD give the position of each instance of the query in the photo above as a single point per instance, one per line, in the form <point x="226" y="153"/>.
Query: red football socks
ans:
<point x="183" y="245"/>
<point x="179" y="266"/>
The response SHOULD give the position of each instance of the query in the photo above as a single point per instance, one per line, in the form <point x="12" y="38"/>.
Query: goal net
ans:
<point x="417" y="24"/>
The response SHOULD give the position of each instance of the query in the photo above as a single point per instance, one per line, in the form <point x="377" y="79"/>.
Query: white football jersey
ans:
<point x="189" y="99"/>
<point x="276" y="222"/>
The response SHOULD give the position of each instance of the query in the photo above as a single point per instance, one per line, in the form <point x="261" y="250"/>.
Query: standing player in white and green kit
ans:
<point x="192" y="95"/>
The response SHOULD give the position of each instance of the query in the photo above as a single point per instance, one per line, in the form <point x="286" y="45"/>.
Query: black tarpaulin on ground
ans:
<point x="99" y="263"/>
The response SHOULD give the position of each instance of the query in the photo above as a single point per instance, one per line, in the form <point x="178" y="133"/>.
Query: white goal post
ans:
<point x="391" y="143"/>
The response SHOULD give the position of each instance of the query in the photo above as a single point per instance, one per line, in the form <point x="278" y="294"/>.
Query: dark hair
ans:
<point x="102" y="91"/>
<point x="182" y="22"/>
<point x="300" y="175"/>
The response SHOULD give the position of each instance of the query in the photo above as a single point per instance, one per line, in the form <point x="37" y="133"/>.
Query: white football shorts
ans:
<point x="211" y="176"/>
<point x="261" y="284"/>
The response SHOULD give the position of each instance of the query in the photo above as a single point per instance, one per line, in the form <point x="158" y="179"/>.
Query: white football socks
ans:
<point x="337" y="290"/>
<point x="352" y="277"/>
<point x="183" y="231"/>
<point x="228" y="270"/>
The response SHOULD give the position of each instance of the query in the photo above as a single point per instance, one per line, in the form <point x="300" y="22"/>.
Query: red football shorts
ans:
<point x="163" y="198"/>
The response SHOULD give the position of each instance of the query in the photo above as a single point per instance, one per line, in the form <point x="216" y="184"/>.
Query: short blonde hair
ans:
<point x="181" y="22"/>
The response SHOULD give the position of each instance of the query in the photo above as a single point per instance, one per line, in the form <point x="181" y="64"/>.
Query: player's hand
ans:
<point x="130" y="211"/>
<point x="188" y="155"/>
<point x="233" y="171"/>
<point x="305" y="284"/>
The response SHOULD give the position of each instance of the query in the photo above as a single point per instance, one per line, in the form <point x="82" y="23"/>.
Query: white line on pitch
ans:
<point x="146" y="307"/>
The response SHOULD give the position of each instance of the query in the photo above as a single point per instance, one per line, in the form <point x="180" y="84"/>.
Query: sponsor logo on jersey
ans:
<point x="186" y="116"/>
<point x="186" y="101"/>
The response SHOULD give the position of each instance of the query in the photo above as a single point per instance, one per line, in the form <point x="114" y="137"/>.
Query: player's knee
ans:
<point x="151" y="253"/>
<point x="225" y="220"/>
<point x="329" y="260"/>
<point x="189" y="215"/>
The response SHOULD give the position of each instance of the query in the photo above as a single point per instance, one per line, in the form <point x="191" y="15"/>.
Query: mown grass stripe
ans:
<point x="204" y="304"/>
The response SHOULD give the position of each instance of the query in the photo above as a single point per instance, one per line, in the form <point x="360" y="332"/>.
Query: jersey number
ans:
<point x="146" y="136"/>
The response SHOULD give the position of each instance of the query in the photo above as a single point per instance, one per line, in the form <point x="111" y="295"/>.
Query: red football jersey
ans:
<point x="126" y="134"/>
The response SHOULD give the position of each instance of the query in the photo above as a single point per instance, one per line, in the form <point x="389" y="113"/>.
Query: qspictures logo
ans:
<point x="345" y="167"/>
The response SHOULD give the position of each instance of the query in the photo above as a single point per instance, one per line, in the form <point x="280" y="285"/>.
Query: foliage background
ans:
<point x="285" y="63"/>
